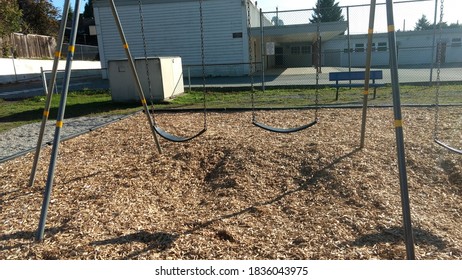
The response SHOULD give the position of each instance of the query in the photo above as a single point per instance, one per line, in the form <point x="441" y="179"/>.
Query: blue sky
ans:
<point x="60" y="3"/>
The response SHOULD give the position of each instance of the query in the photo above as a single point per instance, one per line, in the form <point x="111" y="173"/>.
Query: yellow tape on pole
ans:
<point x="370" y="31"/>
<point x="126" y="46"/>
<point x="391" y="28"/>
<point x="143" y="101"/>
<point x="59" y="124"/>
<point x="57" y="54"/>
<point x="71" y="49"/>
<point x="366" y="92"/>
<point x="46" y="113"/>
<point x="398" y="123"/>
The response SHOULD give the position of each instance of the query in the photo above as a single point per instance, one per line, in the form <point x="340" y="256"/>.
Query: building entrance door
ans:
<point x="279" y="56"/>
<point x="441" y="51"/>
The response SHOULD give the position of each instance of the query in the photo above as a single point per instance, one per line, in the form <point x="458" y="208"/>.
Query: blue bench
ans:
<point x="355" y="76"/>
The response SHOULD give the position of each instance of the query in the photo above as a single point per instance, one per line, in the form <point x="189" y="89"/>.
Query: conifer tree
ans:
<point x="39" y="17"/>
<point x="423" y="24"/>
<point x="10" y="17"/>
<point x="326" y="11"/>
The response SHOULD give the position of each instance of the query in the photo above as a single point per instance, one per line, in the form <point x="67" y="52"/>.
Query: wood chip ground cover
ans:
<point x="239" y="192"/>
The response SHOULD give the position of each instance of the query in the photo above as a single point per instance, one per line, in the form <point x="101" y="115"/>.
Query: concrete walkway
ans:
<point x="303" y="76"/>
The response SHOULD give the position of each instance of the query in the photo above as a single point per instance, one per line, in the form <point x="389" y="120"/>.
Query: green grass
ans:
<point x="275" y="98"/>
<point x="87" y="103"/>
<point x="84" y="103"/>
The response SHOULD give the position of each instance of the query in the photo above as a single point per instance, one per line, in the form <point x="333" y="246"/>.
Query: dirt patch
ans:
<point x="239" y="192"/>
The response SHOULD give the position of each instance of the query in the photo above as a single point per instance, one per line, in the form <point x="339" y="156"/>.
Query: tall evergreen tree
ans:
<point x="10" y="21"/>
<point x="88" y="10"/>
<point x="10" y="17"/>
<point x="326" y="11"/>
<point x="423" y="24"/>
<point x="39" y="17"/>
<point x="455" y="25"/>
<point x="277" y="21"/>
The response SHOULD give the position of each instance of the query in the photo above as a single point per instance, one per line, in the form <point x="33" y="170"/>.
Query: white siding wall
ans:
<point x="414" y="48"/>
<point x="454" y="52"/>
<point x="173" y="29"/>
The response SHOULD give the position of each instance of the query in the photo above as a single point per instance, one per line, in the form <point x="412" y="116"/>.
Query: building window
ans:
<point x="237" y="35"/>
<point x="456" y="42"/>
<point x="382" y="46"/>
<point x="373" y="47"/>
<point x="359" y="47"/>
<point x="306" y="49"/>
<point x="295" y="50"/>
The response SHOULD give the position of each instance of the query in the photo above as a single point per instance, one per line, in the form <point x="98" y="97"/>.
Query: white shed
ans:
<point x="165" y="78"/>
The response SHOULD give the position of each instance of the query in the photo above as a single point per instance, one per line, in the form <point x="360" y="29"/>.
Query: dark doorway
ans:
<point x="441" y="53"/>
<point x="279" y="56"/>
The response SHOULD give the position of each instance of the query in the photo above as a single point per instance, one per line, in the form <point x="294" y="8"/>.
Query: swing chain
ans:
<point x="249" y="25"/>
<point x="318" y="62"/>
<point x="201" y="16"/>
<point x="143" y="36"/>
<point x="440" y="41"/>
<point x="438" y="71"/>
<point x="252" y="89"/>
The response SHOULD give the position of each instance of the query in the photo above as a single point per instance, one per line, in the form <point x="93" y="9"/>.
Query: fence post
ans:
<point x="400" y="147"/>
<point x="189" y="78"/>
<point x="432" y="63"/>
<point x="14" y="65"/>
<point x="263" y="56"/>
<point x="348" y="39"/>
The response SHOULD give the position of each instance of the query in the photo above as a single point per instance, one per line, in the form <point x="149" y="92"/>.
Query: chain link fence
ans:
<point x="83" y="52"/>
<point x="289" y="47"/>
<point x="284" y="49"/>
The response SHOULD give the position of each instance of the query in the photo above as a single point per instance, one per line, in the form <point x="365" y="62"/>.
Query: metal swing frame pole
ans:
<point x="262" y="50"/>
<point x="409" y="236"/>
<point x="249" y="42"/>
<point x="367" y="75"/>
<point x="131" y="63"/>
<point x="432" y="64"/>
<point x="49" y="90"/>
<point x="59" y="123"/>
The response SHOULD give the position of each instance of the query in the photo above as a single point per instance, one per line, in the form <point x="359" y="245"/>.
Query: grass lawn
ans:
<point x="15" y="113"/>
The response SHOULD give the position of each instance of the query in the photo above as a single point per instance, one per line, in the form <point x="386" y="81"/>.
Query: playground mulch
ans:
<point x="239" y="192"/>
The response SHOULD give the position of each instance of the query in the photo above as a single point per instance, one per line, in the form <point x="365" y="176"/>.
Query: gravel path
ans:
<point x="23" y="139"/>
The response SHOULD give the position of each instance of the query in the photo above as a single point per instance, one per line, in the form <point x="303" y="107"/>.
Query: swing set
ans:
<point x="160" y="131"/>
<point x="254" y="113"/>
<point x="436" y="132"/>
<point x="157" y="130"/>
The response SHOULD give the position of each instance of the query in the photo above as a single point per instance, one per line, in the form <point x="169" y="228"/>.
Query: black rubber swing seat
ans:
<point x="170" y="137"/>
<point x="448" y="147"/>
<point x="284" y="130"/>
